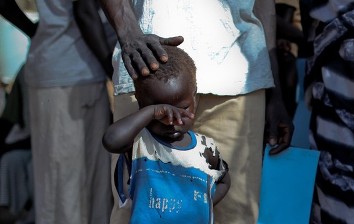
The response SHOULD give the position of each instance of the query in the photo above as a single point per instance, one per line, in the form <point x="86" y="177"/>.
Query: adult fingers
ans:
<point x="128" y="65"/>
<point x="160" y="51"/>
<point x="284" y="139"/>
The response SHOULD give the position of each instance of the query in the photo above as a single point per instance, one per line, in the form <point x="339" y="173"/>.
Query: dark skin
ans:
<point x="91" y="27"/>
<point x="279" y="128"/>
<point x="142" y="54"/>
<point x="167" y="111"/>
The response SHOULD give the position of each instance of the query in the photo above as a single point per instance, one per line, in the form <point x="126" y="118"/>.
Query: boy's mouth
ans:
<point x="174" y="134"/>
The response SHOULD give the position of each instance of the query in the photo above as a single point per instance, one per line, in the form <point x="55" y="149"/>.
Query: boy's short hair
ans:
<point x="178" y="62"/>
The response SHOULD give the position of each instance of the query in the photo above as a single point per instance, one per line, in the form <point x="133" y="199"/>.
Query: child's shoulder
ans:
<point x="205" y="140"/>
<point x="210" y="150"/>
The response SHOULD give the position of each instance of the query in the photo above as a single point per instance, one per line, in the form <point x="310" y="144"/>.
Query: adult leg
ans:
<point x="59" y="118"/>
<point x="15" y="189"/>
<point x="96" y="118"/>
<point x="236" y="124"/>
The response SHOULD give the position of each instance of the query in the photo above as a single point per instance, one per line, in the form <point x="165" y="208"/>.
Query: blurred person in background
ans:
<point x="328" y="27"/>
<point x="16" y="170"/>
<point x="67" y="67"/>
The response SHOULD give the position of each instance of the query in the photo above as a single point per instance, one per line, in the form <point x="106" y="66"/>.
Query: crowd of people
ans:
<point x="199" y="89"/>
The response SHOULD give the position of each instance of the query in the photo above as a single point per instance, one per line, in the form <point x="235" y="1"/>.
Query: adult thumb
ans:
<point x="273" y="135"/>
<point x="172" y="41"/>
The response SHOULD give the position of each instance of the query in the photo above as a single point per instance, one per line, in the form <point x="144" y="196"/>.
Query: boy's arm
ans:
<point x="12" y="12"/>
<point x="120" y="135"/>
<point x="140" y="52"/>
<point x="222" y="187"/>
<point x="91" y="27"/>
<point x="223" y="184"/>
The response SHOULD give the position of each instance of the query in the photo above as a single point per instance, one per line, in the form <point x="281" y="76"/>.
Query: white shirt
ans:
<point x="228" y="47"/>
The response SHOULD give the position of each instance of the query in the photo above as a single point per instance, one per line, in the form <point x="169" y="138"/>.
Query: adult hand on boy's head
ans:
<point x="144" y="53"/>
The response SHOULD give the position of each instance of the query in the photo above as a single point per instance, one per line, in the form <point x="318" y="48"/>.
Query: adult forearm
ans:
<point x="265" y="12"/>
<point x="92" y="30"/>
<point x="279" y="127"/>
<point x="122" y="17"/>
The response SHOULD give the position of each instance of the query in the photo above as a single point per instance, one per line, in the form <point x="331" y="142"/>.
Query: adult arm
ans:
<point x="120" y="135"/>
<point x="91" y="27"/>
<point x="288" y="31"/>
<point x="141" y="53"/>
<point x="279" y="127"/>
<point x="12" y="12"/>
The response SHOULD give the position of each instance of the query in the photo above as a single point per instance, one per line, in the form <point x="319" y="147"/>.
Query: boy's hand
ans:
<point x="170" y="115"/>
<point x="143" y="53"/>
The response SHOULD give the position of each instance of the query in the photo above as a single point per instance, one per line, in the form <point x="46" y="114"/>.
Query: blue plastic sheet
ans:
<point x="287" y="186"/>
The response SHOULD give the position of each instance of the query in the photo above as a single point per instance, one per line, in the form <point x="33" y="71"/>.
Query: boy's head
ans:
<point x="174" y="83"/>
<point x="174" y="80"/>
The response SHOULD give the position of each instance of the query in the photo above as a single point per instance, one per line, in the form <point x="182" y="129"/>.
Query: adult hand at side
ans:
<point x="279" y="127"/>
<point x="142" y="54"/>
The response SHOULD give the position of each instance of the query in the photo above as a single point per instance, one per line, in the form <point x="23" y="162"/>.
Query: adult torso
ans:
<point x="58" y="55"/>
<point x="223" y="37"/>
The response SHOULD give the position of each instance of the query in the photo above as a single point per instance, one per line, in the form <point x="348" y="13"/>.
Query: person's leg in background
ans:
<point x="61" y="156"/>
<point x="97" y="119"/>
<point x="15" y="186"/>
<point x="237" y="126"/>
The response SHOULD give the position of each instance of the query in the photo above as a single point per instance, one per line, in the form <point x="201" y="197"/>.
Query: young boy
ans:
<point x="175" y="174"/>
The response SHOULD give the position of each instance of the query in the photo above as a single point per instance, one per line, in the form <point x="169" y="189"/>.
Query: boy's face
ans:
<point x="178" y="92"/>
